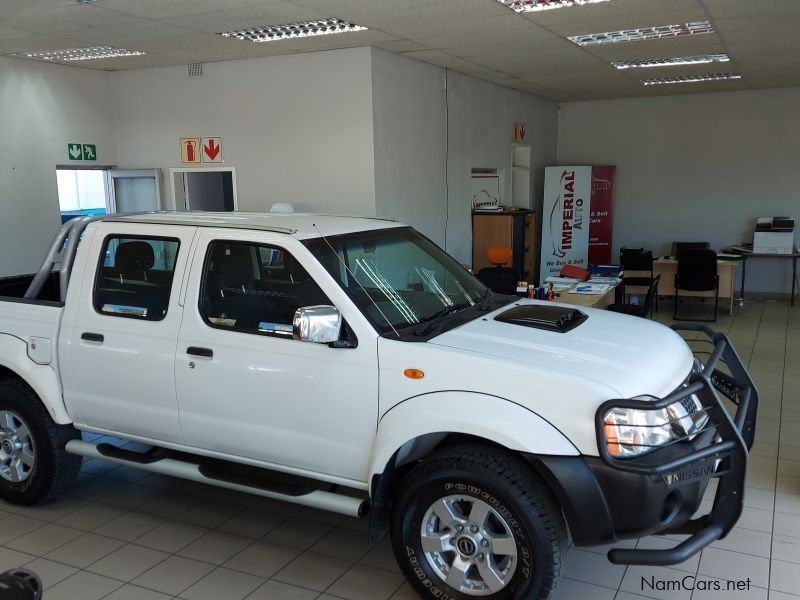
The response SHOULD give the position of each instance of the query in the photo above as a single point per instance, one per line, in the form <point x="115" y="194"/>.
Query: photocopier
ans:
<point x="774" y="235"/>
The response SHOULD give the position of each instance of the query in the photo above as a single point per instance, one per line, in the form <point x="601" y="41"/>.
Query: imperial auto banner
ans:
<point x="565" y="219"/>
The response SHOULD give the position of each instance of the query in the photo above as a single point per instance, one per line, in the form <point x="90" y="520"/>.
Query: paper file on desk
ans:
<point x="561" y="280"/>
<point x="608" y="280"/>
<point x="591" y="288"/>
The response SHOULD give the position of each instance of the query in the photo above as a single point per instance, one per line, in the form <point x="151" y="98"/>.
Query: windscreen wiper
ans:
<point x="428" y="323"/>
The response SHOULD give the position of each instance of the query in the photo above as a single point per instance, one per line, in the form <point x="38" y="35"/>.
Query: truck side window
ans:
<point x="134" y="277"/>
<point x="254" y="288"/>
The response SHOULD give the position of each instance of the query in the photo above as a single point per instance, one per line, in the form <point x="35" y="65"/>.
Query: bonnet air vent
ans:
<point x="560" y="319"/>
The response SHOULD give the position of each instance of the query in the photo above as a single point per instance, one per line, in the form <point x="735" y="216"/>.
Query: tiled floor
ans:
<point x="124" y="534"/>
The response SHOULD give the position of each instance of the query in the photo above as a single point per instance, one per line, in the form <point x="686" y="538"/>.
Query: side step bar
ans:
<point x="338" y="503"/>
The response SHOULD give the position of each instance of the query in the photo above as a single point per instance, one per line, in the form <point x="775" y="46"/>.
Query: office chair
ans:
<point x="678" y="247"/>
<point x="499" y="278"/>
<point x="636" y="259"/>
<point x="638" y="310"/>
<point x="697" y="272"/>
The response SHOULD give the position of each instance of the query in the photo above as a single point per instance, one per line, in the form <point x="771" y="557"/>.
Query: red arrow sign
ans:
<point x="211" y="149"/>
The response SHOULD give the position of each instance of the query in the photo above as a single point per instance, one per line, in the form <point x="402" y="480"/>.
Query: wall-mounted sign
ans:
<point x="190" y="150"/>
<point x="211" y="149"/>
<point x="518" y="134"/>
<point x="81" y="151"/>
<point x="565" y="219"/>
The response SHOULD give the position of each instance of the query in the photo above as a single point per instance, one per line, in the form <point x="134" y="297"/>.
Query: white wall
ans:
<point x="694" y="168"/>
<point x="42" y="109"/>
<point x="409" y="130"/>
<point x="480" y="132"/>
<point x="418" y="130"/>
<point x="297" y="128"/>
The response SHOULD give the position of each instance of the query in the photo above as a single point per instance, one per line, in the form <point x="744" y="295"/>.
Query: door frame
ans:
<point x="176" y="170"/>
<point x="116" y="172"/>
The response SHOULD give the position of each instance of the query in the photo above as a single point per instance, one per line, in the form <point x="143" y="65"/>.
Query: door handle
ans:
<point x="92" y="337"/>
<point x="196" y="351"/>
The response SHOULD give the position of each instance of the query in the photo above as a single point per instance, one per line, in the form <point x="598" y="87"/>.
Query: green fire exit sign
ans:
<point x="81" y="151"/>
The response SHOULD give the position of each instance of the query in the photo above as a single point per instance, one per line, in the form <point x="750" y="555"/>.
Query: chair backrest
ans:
<point x="678" y="247"/>
<point x="636" y="259"/>
<point x="502" y="280"/>
<point x="499" y="255"/>
<point x="651" y="295"/>
<point x="697" y="271"/>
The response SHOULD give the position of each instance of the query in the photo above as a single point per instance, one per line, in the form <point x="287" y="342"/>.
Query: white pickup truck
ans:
<point x="350" y="364"/>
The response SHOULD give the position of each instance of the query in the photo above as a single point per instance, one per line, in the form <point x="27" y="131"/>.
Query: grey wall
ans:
<point x="480" y="130"/>
<point x="43" y="108"/>
<point x="410" y="142"/>
<point x="418" y="130"/>
<point x="297" y="128"/>
<point x="694" y="168"/>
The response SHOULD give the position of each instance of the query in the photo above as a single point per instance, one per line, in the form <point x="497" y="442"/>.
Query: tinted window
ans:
<point x="135" y="277"/>
<point x="255" y="288"/>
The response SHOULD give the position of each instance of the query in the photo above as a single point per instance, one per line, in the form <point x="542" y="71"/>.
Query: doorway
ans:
<point x="209" y="189"/>
<point x="101" y="190"/>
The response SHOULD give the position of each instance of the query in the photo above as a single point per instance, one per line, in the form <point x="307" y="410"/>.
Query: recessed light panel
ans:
<point x="271" y="33"/>
<point x="675" y="61"/>
<point x="74" y="54"/>
<point x="642" y="33"/>
<point x="691" y="78"/>
<point x="536" y="5"/>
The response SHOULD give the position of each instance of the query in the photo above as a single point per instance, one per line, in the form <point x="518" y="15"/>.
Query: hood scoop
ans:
<point x="559" y="319"/>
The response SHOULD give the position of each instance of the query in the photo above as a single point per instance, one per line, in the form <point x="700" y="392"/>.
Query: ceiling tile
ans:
<point x="165" y="9"/>
<point x="275" y="13"/>
<point x="27" y="16"/>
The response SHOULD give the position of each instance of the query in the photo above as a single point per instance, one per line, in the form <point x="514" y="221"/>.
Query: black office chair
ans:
<point x="636" y="259"/>
<point x="638" y="310"/>
<point x="678" y="247"/>
<point x="499" y="278"/>
<point x="697" y="272"/>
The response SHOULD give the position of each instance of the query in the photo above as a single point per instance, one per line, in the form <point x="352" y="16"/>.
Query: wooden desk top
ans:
<point x="590" y="300"/>
<point x="674" y="261"/>
<point x="795" y="254"/>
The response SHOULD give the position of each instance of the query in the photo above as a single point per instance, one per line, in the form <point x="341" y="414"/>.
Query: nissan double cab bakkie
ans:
<point x="351" y="365"/>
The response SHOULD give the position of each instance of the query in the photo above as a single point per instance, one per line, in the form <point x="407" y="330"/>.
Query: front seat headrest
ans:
<point x="135" y="256"/>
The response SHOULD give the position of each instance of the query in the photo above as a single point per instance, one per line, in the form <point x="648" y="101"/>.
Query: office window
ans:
<point x="255" y="288"/>
<point x="134" y="278"/>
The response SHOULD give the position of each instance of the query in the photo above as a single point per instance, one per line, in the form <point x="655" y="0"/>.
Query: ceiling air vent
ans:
<point x="194" y="69"/>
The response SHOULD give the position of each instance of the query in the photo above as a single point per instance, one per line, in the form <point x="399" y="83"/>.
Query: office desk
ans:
<point x="746" y="255"/>
<point x="667" y="267"/>
<point x="589" y="300"/>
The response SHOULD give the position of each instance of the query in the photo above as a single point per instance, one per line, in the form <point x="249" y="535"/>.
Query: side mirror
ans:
<point x="319" y="324"/>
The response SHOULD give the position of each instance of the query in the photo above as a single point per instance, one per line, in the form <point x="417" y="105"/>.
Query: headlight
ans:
<point x="634" y="431"/>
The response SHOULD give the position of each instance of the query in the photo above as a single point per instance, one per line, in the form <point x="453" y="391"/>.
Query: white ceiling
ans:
<point x="477" y="37"/>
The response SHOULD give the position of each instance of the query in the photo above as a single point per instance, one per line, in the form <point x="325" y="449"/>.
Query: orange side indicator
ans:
<point x="612" y="441"/>
<point x="414" y="373"/>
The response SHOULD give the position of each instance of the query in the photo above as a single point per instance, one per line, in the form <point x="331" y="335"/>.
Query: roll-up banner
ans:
<point x="565" y="219"/>
<point x="601" y="215"/>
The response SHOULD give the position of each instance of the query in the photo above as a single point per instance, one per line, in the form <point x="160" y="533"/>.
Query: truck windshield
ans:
<point x="398" y="277"/>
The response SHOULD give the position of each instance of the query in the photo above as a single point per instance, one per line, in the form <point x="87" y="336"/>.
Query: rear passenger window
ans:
<point x="135" y="277"/>
<point x="254" y="288"/>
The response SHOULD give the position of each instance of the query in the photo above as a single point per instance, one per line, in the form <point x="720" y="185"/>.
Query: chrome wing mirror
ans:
<point x="320" y="324"/>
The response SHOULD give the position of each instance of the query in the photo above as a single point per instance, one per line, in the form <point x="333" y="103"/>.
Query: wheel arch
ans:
<point x="42" y="379"/>
<point x="412" y="429"/>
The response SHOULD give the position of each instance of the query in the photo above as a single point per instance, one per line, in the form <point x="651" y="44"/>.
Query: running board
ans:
<point x="338" y="503"/>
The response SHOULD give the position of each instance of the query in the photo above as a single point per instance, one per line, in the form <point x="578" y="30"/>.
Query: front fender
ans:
<point x="41" y="378"/>
<point x="489" y="417"/>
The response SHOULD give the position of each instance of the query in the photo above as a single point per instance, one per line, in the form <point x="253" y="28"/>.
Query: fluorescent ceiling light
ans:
<point x="691" y="78"/>
<point x="271" y="33"/>
<point x="91" y="53"/>
<point x="536" y="5"/>
<point x="642" y="33"/>
<point x="675" y="61"/>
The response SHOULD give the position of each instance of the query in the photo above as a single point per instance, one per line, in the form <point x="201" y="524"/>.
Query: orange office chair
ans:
<point x="499" y="278"/>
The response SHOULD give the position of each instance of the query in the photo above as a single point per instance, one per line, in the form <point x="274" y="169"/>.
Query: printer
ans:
<point x="774" y="235"/>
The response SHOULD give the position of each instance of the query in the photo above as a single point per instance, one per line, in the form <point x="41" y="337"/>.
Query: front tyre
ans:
<point x="33" y="463"/>
<point x="473" y="521"/>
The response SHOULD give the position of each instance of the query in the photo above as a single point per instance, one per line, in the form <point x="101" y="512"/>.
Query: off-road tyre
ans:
<point x="512" y="490"/>
<point x="53" y="469"/>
